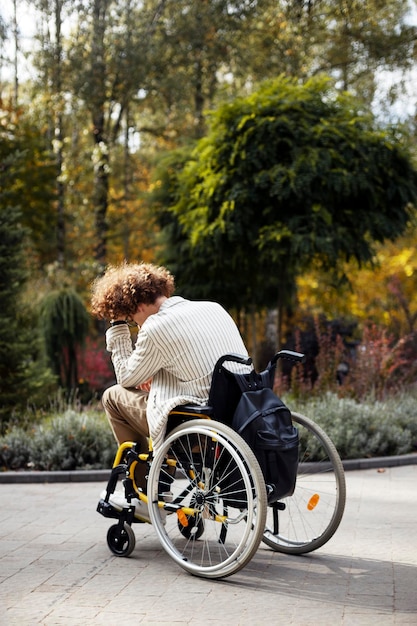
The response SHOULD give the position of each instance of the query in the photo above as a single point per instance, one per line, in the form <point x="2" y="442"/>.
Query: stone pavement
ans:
<point x="56" y="568"/>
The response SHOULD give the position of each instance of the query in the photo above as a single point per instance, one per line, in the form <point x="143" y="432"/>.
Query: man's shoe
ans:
<point x="119" y="502"/>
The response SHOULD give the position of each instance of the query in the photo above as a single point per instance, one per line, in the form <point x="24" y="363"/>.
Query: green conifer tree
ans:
<point x="24" y="379"/>
<point x="64" y="323"/>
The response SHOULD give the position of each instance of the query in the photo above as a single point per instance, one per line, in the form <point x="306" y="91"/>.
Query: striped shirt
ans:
<point x="178" y="348"/>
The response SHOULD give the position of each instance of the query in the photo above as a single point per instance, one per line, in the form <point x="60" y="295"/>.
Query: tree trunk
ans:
<point x="272" y="328"/>
<point x="16" y="54"/>
<point x="126" y="187"/>
<point x="101" y="155"/>
<point x="59" y="135"/>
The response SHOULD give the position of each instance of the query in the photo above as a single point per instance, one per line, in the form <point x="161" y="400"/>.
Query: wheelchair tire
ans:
<point x="219" y="485"/>
<point x="121" y="539"/>
<point x="306" y="520"/>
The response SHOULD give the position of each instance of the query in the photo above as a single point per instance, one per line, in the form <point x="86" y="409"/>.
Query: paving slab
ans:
<point x="56" y="568"/>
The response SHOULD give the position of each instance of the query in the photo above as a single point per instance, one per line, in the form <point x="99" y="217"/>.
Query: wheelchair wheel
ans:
<point x="121" y="539"/>
<point x="306" y="520"/>
<point x="215" y="517"/>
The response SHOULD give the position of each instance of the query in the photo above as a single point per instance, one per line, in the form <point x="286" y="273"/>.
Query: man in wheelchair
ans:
<point x="171" y="363"/>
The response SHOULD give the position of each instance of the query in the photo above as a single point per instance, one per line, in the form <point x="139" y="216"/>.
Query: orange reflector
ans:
<point x="312" y="503"/>
<point x="183" y="519"/>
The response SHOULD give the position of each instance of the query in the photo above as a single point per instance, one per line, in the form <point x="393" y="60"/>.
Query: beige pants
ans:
<point x="126" y="412"/>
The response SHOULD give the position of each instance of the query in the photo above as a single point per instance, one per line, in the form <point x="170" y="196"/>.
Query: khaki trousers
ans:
<point x="126" y="412"/>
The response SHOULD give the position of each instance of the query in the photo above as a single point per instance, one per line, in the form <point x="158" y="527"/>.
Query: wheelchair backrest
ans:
<point x="225" y="391"/>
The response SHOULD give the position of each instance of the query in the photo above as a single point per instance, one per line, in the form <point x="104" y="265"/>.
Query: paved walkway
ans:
<point x="56" y="568"/>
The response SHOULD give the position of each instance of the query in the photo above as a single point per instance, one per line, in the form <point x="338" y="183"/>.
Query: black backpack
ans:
<point x="264" y="422"/>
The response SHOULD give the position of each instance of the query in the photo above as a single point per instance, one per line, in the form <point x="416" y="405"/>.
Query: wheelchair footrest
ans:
<point x="107" y="510"/>
<point x="126" y="514"/>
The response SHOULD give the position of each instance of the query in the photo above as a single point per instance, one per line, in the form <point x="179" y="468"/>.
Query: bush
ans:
<point x="95" y="369"/>
<point x="364" y="429"/>
<point x="74" y="440"/>
<point x="15" y="449"/>
<point x="70" y="441"/>
<point x="377" y="366"/>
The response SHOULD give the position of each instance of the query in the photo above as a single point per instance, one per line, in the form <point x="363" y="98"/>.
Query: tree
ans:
<point x="12" y="346"/>
<point x="50" y="65"/>
<point x="201" y="43"/>
<point x="31" y="175"/>
<point x="108" y="71"/>
<point x="291" y="174"/>
<point x="24" y="377"/>
<point x="64" y="323"/>
<point x="362" y="37"/>
<point x="382" y="293"/>
<point x="119" y="81"/>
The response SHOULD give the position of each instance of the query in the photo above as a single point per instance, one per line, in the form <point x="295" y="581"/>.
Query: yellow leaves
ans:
<point x="153" y="186"/>
<point x="227" y="207"/>
<point x="244" y="119"/>
<point x="384" y="293"/>
<point x="404" y="260"/>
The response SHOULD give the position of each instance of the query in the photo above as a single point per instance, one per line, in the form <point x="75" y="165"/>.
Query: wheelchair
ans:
<point x="206" y="493"/>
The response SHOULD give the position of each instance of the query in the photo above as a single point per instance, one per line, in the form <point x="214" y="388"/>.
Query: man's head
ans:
<point x="118" y="293"/>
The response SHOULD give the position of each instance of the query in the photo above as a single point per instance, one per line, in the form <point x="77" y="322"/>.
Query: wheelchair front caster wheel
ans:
<point x="121" y="539"/>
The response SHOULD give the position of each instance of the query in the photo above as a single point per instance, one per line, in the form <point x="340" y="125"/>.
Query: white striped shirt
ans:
<point x="178" y="348"/>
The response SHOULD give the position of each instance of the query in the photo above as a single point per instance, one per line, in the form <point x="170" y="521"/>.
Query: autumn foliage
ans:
<point x="377" y="367"/>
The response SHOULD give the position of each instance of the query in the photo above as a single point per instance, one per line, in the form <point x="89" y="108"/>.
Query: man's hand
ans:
<point x="146" y="386"/>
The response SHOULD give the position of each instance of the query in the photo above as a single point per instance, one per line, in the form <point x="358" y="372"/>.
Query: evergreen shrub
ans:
<point x="368" y="428"/>
<point x="70" y="441"/>
<point x="75" y="440"/>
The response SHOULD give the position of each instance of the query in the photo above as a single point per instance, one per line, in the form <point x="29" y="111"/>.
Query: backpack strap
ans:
<point x="266" y="378"/>
<point x="251" y="381"/>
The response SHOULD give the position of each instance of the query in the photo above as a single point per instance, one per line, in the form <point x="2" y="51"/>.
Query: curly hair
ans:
<point x="123" y="287"/>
